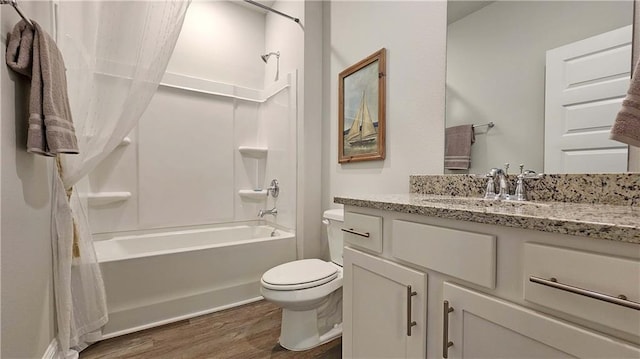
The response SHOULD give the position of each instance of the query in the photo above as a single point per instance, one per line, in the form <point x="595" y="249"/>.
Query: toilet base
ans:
<point x="299" y="330"/>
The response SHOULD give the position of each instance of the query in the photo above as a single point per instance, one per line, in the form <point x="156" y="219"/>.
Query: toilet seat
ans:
<point x="300" y="274"/>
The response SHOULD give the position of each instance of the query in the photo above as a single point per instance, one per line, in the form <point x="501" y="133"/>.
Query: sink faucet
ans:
<point x="503" y="184"/>
<point x="264" y="212"/>
<point x="521" y="194"/>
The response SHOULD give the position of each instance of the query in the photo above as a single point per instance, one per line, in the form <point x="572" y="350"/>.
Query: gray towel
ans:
<point x="32" y="52"/>
<point x="626" y="129"/>
<point x="457" y="147"/>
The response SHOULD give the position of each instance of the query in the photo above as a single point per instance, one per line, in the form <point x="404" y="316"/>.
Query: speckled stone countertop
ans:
<point x="597" y="221"/>
<point x="618" y="189"/>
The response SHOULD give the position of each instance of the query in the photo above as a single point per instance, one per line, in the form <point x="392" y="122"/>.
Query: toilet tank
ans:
<point x="334" y="218"/>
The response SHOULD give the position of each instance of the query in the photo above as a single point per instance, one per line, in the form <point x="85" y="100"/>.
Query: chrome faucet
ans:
<point x="503" y="184"/>
<point x="490" y="192"/>
<point x="521" y="194"/>
<point x="264" y="212"/>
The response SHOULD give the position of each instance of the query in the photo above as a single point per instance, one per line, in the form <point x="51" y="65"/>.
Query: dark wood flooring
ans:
<point x="250" y="331"/>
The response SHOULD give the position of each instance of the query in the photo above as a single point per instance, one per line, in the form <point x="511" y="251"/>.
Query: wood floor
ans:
<point x="250" y="331"/>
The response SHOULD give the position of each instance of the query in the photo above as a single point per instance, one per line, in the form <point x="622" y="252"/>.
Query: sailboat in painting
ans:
<point x="362" y="131"/>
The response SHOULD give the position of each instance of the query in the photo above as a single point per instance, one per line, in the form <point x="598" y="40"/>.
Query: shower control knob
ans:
<point x="274" y="189"/>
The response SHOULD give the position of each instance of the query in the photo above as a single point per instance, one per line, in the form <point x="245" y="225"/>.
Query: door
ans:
<point x="482" y="326"/>
<point x="586" y="82"/>
<point x="381" y="301"/>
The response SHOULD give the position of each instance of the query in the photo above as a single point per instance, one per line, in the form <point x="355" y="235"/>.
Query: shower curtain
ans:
<point x="116" y="53"/>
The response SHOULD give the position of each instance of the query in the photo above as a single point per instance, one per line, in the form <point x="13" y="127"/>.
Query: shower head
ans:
<point x="265" y="57"/>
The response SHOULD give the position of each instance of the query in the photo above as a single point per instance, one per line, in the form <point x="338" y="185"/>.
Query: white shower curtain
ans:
<point x="116" y="53"/>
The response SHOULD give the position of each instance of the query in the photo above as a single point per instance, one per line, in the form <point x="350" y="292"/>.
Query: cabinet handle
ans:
<point x="445" y="329"/>
<point x="410" y="323"/>
<point x="352" y="231"/>
<point x="553" y="283"/>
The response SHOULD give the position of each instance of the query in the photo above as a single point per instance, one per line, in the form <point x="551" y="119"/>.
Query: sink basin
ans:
<point x="483" y="203"/>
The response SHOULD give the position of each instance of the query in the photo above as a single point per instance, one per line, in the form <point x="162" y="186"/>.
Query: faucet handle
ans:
<point x="274" y="189"/>
<point x="490" y="191"/>
<point x="530" y="174"/>
<point x="521" y="194"/>
<point x="492" y="173"/>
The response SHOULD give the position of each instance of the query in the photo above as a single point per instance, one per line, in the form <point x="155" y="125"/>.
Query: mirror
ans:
<point x="496" y="68"/>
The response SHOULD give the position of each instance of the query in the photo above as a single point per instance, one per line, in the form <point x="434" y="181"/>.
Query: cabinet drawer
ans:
<point x="579" y="279"/>
<point x="362" y="230"/>
<point x="465" y="255"/>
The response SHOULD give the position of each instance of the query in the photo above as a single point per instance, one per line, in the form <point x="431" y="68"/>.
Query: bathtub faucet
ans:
<point x="263" y="212"/>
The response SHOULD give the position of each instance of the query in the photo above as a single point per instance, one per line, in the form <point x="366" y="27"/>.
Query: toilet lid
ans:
<point x="305" y="273"/>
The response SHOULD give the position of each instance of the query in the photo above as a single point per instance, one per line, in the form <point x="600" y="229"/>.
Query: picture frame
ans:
<point x="362" y="110"/>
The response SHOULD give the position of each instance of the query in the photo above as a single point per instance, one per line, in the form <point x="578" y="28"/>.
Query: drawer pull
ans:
<point x="445" y="329"/>
<point x="352" y="231"/>
<point x="410" y="323"/>
<point x="553" y="283"/>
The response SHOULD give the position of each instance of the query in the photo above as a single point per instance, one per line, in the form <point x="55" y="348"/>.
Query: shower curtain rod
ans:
<point x="14" y="3"/>
<point x="272" y="10"/>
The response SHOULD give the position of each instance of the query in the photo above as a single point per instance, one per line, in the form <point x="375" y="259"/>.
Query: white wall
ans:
<point x="221" y="41"/>
<point x="496" y="67"/>
<point x="183" y="167"/>
<point x="414" y="35"/>
<point x="27" y="314"/>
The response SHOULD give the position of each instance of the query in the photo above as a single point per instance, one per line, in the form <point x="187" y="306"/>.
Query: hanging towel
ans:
<point x="627" y="126"/>
<point x="457" y="144"/>
<point x="32" y="53"/>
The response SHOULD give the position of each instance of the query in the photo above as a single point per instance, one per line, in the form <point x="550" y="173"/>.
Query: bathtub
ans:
<point x="157" y="278"/>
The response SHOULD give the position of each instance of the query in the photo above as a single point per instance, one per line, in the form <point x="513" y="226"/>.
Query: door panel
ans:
<point x="482" y="326"/>
<point x="586" y="82"/>
<point x="375" y="308"/>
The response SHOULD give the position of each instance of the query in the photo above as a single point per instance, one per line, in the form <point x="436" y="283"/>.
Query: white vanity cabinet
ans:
<point x="483" y="272"/>
<point x="384" y="313"/>
<point x="477" y="325"/>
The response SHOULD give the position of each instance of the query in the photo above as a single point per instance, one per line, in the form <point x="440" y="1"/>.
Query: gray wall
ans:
<point x="496" y="67"/>
<point x="414" y="33"/>
<point x="27" y="315"/>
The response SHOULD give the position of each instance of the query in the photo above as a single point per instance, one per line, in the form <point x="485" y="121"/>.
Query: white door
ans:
<point x="376" y="322"/>
<point x="482" y="326"/>
<point x="586" y="82"/>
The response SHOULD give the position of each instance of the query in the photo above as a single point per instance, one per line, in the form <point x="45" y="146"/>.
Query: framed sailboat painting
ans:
<point x="361" y="110"/>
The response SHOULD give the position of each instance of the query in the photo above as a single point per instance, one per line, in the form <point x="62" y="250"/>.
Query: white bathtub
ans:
<point x="157" y="278"/>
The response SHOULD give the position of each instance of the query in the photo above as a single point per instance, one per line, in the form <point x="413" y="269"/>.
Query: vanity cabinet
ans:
<point x="483" y="272"/>
<point x="477" y="325"/>
<point x="384" y="313"/>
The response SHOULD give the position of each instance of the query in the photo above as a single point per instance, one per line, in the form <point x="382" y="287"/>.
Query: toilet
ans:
<point x="309" y="291"/>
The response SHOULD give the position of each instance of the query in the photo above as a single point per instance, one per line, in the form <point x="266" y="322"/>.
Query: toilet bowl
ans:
<point x="309" y="291"/>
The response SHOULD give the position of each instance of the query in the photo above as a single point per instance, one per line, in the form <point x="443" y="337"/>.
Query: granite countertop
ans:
<point x="597" y="221"/>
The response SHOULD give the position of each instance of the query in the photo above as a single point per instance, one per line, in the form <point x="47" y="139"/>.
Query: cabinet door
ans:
<point x="381" y="300"/>
<point x="481" y="326"/>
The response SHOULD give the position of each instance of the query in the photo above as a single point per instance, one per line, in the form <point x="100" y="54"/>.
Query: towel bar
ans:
<point x="14" y="3"/>
<point x="490" y="124"/>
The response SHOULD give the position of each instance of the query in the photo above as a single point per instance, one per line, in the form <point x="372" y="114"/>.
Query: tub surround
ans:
<point x="593" y="206"/>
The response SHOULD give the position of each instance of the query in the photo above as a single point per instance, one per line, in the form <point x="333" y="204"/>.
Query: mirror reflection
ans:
<point x="550" y="75"/>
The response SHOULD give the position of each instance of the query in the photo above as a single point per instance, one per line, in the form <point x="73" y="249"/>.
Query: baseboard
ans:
<point x="52" y="350"/>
